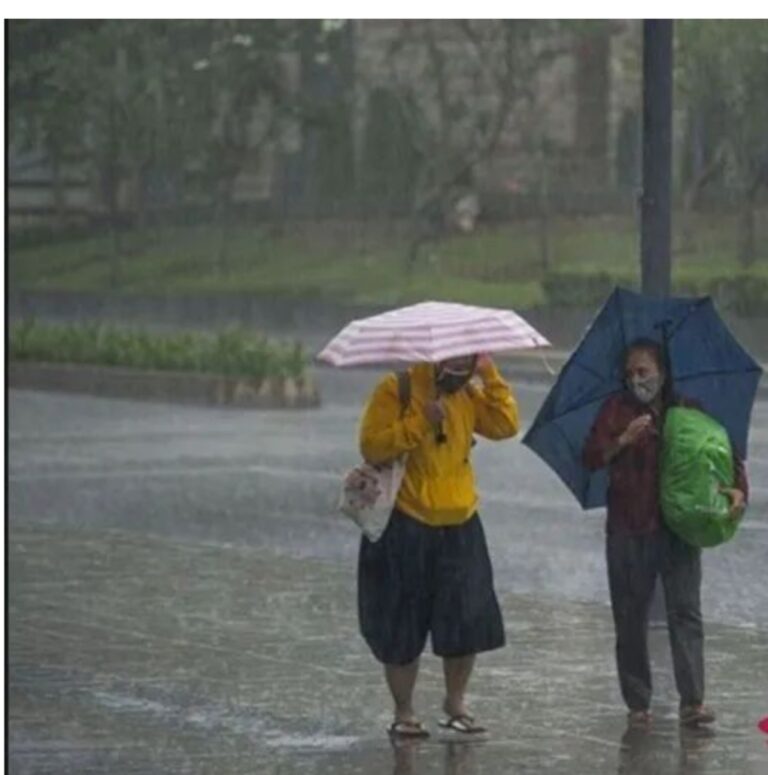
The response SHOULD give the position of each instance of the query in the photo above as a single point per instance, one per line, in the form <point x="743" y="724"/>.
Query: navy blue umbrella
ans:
<point x="706" y="363"/>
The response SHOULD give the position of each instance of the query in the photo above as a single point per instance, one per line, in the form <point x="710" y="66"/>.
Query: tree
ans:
<point x="459" y="85"/>
<point x="324" y="105"/>
<point x="236" y="97"/>
<point x="592" y="51"/>
<point x="47" y="92"/>
<point x="145" y="103"/>
<point x="388" y="160"/>
<point x="98" y="92"/>
<point x="723" y="73"/>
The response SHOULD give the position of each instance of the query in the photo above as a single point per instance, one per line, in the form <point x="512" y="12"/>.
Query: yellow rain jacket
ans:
<point x="439" y="484"/>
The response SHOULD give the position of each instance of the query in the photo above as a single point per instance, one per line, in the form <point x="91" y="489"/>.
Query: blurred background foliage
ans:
<point x="377" y="162"/>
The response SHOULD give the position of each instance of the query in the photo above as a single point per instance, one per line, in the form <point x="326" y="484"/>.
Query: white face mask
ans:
<point x="645" y="390"/>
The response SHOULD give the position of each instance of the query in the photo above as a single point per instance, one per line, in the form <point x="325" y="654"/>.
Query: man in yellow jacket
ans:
<point x="430" y="573"/>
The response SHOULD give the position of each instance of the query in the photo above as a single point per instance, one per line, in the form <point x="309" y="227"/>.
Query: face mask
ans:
<point x="452" y="382"/>
<point x="645" y="390"/>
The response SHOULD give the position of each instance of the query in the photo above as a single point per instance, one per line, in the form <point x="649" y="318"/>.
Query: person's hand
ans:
<point x="434" y="412"/>
<point x="484" y="364"/>
<point x="484" y="367"/>
<point x="737" y="502"/>
<point x="636" y="430"/>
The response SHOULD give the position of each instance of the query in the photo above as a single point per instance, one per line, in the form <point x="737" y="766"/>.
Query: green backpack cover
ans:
<point x="696" y="460"/>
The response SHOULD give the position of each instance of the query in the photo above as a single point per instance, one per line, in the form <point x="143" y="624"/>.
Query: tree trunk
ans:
<point x="748" y="253"/>
<point x="747" y="238"/>
<point x="59" y="197"/>
<point x="418" y="237"/>
<point x="110" y="184"/>
<point x="140" y="203"/>
<point x="222" y="219"/>
<point x="112" y="165"/>
<point x="544" y="213"/>
<point x="593" y="85"/>
<point x="116" y="257"/>
<point x="691" y="198"/>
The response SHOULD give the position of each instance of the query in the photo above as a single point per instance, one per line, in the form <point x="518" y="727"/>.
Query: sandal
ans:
<point x="407" y="730"/>
<point x="639" y="718"/>
<point x="693" y="715"/>
<point x="464" y="725"/>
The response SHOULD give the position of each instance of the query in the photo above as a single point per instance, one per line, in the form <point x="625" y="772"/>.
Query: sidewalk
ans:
<point x="133" y="653"/>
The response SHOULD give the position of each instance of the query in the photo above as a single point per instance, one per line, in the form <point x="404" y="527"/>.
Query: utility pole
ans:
<point x="656" y="199"/>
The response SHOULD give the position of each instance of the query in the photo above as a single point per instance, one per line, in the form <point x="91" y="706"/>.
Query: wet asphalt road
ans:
<point x="181" y="599"/>
<point x="271" y="479"/>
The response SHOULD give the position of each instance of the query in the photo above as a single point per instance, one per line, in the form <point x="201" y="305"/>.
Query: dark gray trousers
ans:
<point x="634" y="563"/>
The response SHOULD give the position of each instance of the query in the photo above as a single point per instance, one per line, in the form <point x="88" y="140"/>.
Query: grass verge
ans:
<point x="350" y="264"/>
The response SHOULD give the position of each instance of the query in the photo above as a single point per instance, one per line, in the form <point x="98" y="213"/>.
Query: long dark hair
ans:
<point x="660" y="354"/>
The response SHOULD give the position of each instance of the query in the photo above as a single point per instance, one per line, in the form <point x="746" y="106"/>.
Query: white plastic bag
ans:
<point x="368" y="495"/>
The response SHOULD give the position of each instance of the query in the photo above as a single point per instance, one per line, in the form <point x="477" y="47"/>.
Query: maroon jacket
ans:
<point x="633" y="475"/>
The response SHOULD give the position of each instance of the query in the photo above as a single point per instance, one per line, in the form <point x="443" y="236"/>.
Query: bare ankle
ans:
<point x="454" y="706"/>
<point x="404" y="713"/>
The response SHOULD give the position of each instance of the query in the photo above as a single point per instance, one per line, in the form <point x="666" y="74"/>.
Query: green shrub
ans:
<point x="232" y="352"/>
<point x="744" y="294"/>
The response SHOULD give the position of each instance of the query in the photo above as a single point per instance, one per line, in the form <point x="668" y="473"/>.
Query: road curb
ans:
<point x="163" y="386"/>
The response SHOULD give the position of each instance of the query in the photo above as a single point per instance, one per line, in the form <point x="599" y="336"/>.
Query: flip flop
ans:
<point x="464" y="725"/>
<point x="407" y="730"/>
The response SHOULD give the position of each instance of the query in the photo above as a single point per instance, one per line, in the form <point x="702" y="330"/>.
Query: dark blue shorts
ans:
<point x="418" y="580"/>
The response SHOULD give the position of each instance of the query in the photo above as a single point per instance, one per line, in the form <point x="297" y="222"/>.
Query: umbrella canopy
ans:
<point x="429" y="332"/>
<point x="705" y="360"/>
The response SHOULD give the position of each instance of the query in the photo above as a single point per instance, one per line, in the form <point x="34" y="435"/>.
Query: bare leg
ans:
<point x="457" y="671"/>
<point x="401" y="680"/>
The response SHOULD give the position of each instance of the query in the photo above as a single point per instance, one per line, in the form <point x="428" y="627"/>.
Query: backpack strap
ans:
<point x="404" y="391"/>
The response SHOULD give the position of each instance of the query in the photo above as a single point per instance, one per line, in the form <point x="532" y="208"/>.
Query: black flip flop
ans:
<point x="407" y="730"/>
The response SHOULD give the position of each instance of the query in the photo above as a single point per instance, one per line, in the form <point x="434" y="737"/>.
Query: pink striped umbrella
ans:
<point x="429" y="332"/>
